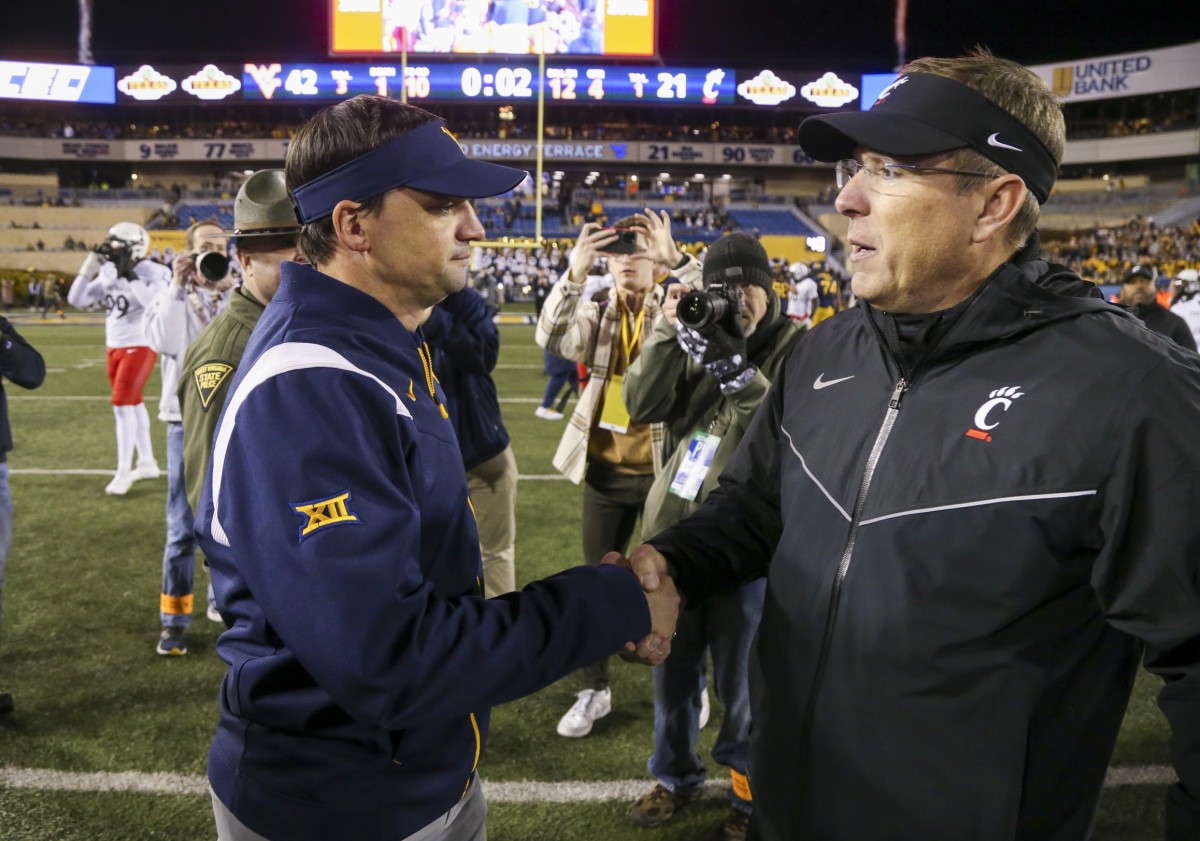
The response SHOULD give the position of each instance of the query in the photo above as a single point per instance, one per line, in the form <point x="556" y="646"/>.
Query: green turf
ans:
<point x="81" y="619"/>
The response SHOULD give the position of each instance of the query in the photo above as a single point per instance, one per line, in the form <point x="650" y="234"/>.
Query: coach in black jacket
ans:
<point x="974" y="497"/>
<point x="1137" y="293"/>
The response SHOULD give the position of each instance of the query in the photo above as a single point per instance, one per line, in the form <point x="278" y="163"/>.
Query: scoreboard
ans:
<point x="503" y="82"/>
<point x="564" y="82"/>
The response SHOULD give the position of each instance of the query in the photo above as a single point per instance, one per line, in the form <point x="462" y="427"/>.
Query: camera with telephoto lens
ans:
<point x="718" y="303"/>
<point x="213" y="266"/>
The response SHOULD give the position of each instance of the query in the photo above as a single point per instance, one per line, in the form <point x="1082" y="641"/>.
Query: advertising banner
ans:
<point x="57" y="82"/>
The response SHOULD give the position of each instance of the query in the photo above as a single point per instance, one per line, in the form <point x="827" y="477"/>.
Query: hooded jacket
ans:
<point x="964" y="564"/>
<point x="363" y="660"/>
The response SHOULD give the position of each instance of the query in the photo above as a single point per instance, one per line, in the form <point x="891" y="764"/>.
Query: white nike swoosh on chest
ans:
<point x="820" y="383"/>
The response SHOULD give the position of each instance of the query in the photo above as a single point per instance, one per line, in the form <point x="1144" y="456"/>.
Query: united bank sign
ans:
<point x="1131" y="74"/>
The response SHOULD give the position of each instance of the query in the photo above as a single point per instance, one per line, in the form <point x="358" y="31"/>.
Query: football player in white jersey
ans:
<point x="1186" y="304"/>
<point x="802" y="294"/>
<point x="117" y="275"/>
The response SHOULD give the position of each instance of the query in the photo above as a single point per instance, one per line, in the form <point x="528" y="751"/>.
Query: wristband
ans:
<point x="683" y="262"/>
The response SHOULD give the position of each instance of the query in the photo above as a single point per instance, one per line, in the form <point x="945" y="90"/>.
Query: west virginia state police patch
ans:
<point x="320" y="513"/>
<point x="208" y="379"/>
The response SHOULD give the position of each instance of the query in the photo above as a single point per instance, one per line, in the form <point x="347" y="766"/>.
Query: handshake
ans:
<point x="650" y="567"/>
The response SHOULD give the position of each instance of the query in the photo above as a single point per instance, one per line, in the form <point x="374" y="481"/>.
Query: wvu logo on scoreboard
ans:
<point x="320" y="513"/>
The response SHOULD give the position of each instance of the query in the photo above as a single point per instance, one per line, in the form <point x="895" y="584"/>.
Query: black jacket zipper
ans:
<point x="891" y="343"/>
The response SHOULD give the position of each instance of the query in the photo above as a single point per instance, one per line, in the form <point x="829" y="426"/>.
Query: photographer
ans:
<point x="703" y="382"/>
<point x="615" y="458"/>
<point x="199" y="288"/>
<point x="117" y="275"/>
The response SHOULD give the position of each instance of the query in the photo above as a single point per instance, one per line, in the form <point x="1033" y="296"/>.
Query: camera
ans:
<point x="625" y="243"/>
<point x="111" y="249"/>
<point x="719" y="303"/>
<point x="213" y="266"/>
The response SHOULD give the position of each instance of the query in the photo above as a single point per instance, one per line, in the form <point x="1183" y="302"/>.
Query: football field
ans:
<point x="109" y="741"/>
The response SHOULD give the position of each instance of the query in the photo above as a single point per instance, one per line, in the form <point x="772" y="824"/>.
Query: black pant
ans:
<point x="612" y="503"/>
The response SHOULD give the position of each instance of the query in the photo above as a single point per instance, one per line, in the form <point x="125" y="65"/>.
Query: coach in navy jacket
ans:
<point x="363" y="659"/>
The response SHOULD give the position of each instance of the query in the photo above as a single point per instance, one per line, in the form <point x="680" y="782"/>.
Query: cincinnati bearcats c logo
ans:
<point x="1001" y="398"/>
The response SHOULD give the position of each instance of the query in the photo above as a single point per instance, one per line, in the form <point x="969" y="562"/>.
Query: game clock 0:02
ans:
<point x="505" y="82"/>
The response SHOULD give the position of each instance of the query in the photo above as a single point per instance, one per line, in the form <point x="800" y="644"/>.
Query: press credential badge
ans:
<point x="690" y="477"/>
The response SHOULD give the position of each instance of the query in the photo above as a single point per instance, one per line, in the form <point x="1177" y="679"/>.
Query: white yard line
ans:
<point x="17" y="398"/>
<point x="497" y="792"/>
<point x="42" y="471"/>
<point x="70" y="471"/>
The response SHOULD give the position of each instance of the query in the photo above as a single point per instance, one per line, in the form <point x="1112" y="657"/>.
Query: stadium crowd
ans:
<point x="1104" y="255"/>
<point x="1116" y="118"/>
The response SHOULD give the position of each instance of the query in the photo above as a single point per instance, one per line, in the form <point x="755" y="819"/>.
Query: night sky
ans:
<point x="852" y="34"/>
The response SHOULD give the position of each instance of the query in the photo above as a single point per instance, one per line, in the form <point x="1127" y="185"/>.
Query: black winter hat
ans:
<point x="738" y="258"/>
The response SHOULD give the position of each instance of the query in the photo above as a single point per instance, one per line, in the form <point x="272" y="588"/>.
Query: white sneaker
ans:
<point x="705" y="708"/>
<point x="548" y="414"/>
<point x="121" y="482"/>
<point x="146" y="470"/>
<point x="590" y="704"/>
<point x="213" y="614"/>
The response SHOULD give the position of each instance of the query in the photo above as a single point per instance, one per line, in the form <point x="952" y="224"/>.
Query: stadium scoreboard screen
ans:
<point x="619" y="28"/>
<point x="568" y="83"/>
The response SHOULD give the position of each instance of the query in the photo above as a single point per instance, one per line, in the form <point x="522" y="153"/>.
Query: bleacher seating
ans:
<point x="189" y="212"/>
<point x="781" y="222"/>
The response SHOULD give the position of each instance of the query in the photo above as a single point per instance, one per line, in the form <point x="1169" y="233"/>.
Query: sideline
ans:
<point x="497" y="792"/>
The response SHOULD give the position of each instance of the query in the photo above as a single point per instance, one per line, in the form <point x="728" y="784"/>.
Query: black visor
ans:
<point x="921" y="114"/>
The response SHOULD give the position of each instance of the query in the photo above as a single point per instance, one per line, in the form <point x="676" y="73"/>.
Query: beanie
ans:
<point x="738" y="258"/>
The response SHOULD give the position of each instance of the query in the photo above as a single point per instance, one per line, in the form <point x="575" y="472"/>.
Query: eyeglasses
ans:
<point x="849" y="168"/>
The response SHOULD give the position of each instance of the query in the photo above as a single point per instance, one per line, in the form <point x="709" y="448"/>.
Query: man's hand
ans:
<point x="721" y="353"/>
<point x="592" y="238"/>
<point x="670" y="304"/>
<point x="91" y="265"/>
<point x="660" y="245"/>
<point x="649" y="565"/>
<point x="663" y="600"/>
<point x="183" y="269"/>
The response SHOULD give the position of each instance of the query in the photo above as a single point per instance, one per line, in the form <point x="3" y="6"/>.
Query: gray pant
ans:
<point x="464" y="822"/>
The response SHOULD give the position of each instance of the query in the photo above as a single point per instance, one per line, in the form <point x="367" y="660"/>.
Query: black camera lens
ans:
<point x="212" y="265"/>
<point x="698" y="309"/>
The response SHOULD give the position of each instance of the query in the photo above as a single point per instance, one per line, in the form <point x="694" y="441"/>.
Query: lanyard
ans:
<point x="631" y="344"/>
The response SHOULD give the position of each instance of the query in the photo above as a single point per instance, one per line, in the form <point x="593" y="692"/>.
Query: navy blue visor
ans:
<point x="427" y="158"/>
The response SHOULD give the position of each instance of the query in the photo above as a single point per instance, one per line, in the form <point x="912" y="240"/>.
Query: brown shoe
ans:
<point x="736" y="825"/>
<point x="659" y="805"/>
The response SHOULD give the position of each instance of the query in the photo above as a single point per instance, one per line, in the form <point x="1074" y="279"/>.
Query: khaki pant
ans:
<point x="493" y="489"/>
<point x="466" y="821"/>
